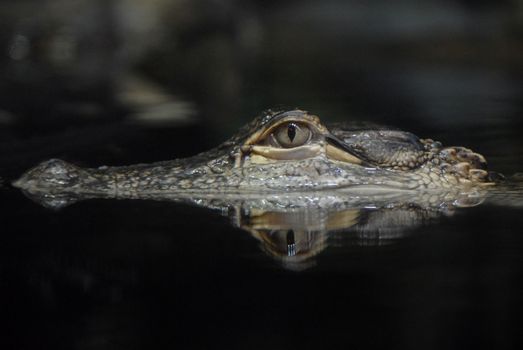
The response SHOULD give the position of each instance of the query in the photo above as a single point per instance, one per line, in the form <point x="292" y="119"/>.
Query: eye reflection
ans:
<point x="291" y="135"/>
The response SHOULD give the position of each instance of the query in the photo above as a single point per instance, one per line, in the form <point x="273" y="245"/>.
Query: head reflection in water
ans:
<point x="293" y="229"/>
<point x="290" y="237"/>
<point x="294" y="238"/>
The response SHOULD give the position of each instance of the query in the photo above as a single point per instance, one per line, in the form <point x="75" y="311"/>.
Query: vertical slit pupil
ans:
<point x="290" y="237"/>
<point x="291" y="131"/>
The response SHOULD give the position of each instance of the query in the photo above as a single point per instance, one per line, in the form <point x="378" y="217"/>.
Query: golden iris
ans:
<point x="290" y="135"/>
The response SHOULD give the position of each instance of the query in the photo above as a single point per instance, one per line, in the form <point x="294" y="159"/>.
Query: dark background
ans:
<point x="119" y="82"/>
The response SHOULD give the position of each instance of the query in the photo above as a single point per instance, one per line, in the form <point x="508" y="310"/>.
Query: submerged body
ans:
<point x="278" y="152"/>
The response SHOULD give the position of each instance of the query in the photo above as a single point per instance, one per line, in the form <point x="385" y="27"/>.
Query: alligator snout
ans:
<point x="49" y="174"/>
<point x="57" y="175"/>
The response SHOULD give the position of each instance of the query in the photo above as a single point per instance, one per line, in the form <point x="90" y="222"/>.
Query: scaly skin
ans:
<point x="335" y="157"/>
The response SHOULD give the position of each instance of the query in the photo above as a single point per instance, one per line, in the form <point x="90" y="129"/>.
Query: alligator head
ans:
<point x="277" y="152"/>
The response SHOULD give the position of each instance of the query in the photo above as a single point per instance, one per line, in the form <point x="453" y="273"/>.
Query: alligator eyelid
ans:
<point x="334" y="141"/>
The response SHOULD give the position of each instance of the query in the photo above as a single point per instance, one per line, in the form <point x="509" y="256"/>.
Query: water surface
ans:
<point x="130" y="273"/>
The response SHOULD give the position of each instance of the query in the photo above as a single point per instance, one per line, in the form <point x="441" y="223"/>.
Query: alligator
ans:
<point x="289" y="151"/>
<point x="291" y="181"/>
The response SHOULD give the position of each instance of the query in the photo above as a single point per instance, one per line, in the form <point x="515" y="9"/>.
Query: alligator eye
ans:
<point x="291" y="135"/>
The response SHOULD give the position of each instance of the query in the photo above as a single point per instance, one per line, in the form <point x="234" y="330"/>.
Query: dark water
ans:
<point x="135" y="81"/>
<point x="106" y="274"/>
